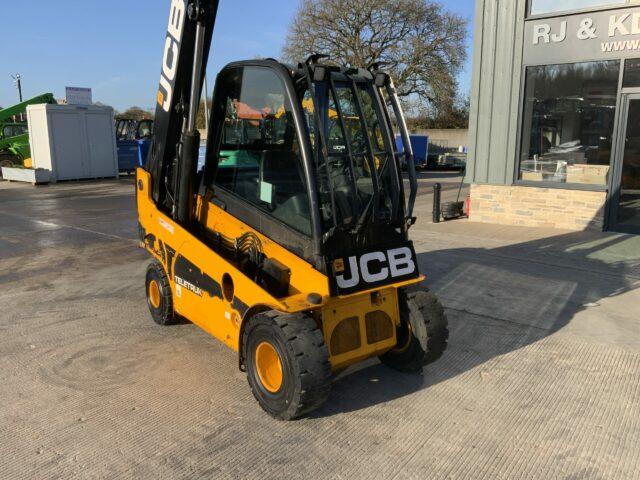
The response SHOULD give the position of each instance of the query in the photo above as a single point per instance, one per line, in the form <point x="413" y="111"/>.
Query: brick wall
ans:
<point x="538" y="207"/>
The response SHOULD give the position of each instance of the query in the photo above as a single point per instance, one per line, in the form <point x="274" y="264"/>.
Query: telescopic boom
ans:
<point x="173" y="156"/>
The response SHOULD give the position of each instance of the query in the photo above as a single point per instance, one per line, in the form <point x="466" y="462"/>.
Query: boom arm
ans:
<point x="173" y="156"/>
<point x="6" y="114"/>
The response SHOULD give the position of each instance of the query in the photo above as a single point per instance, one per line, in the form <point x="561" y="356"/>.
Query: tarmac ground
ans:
<point x="541" y="379"/>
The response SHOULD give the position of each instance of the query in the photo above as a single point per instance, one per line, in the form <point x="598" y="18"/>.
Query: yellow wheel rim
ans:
<point x="269" y="367"/>
<point x="403" y="348"/>
<point x="154" y="294"/>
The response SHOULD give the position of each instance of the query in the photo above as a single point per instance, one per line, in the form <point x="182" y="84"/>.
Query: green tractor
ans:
<point x="14" y="132"/>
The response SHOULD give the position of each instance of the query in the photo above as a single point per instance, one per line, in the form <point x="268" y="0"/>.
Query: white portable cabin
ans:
<point x="73" y="141"/>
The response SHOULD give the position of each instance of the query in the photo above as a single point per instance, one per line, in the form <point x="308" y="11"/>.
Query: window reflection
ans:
<point x="629" y="206"/>
<point x="568" y="121"/>
<point x="631" y="73"/>
<point x="260" y="154"/>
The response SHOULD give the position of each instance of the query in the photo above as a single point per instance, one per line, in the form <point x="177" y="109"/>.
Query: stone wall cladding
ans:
<point x="538" y="207"/>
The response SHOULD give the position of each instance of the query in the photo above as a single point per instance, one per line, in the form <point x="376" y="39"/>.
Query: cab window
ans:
<point x="259" y="159"/>
<point x="126" y="130"/>
<point x="14" y="130"/>
<point x="145" y="129"/>
<point x="351" y="120"/>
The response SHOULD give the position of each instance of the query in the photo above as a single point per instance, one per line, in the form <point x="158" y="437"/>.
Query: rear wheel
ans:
<point x="423" y="333"/>
<point x="7" y="160"/>
<point x="159" y="298"/>
<point x="287" y="364"/>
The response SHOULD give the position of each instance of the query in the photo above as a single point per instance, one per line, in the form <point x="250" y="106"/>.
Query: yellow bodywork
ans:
<point x="360" y="326"/>
<point x="355" y="327"/>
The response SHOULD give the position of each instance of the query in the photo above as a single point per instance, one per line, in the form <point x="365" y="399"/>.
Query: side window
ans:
<point x="259" y="157"/>
<point x="145" y="129"/>
<point x="14" y="130"/>
<point x="125" y="130"/>
<point x="120" y="126"/>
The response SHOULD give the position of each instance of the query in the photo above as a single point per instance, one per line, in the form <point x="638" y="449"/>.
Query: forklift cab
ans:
<point x="133" y="139"/>
<point x="306" y="156"/>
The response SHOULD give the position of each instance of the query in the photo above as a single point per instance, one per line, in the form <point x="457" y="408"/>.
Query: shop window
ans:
<point x="540" y="7"/>
<point x="568" y="118"/>
<point x="631" y="73"/>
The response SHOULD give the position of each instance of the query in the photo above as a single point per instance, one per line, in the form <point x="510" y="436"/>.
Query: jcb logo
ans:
<point x="375" y="267"/>
<point x="171" y="50"/>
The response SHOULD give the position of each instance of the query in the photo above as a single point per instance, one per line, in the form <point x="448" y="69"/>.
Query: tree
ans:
<point x="420" y="43"/>
<point x="454" y="116"/>
<point x="201" y="121"/>
<point x="135" y="113"/>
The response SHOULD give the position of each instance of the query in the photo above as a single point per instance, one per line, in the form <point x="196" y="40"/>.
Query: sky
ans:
<point x="115" y="46"/>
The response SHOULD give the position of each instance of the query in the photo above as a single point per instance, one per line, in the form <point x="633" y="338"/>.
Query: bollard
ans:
<point x="437" y="192"/>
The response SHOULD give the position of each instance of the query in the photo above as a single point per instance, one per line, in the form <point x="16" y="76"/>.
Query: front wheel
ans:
<point x="159" y="297"/>
<point x="287" y="363"/>
<point x="423" y="332"/>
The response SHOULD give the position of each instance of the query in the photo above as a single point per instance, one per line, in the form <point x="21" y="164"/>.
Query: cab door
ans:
<point x="254" y="181"/>
<point x="257" y="161"/>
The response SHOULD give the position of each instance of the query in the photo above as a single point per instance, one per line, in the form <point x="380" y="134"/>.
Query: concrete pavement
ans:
<point x="541" y="379"/>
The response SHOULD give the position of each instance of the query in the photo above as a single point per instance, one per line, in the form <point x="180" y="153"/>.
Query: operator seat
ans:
<point x="283" y="170"/>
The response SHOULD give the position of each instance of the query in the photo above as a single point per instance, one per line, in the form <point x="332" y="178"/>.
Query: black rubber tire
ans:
<point x="423" y="335"/>
<point x="163" y="314"/>
<point x="7" y="160"/>
<point x="306" y="381"/>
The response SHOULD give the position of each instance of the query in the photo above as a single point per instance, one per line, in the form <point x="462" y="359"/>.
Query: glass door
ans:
<point x="625" y="212"/>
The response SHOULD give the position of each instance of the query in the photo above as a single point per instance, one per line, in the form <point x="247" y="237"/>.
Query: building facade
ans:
<point x="554" y="136"/>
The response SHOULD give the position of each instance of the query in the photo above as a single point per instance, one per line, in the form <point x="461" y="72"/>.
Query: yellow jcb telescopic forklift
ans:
<point x="290" y="244"/>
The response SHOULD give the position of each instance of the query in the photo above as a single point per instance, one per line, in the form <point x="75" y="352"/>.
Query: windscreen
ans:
<point x="357" y="178"/>
<point x="260" y="160"/>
